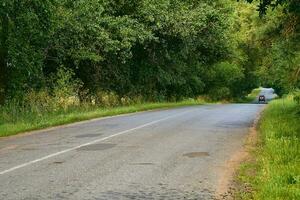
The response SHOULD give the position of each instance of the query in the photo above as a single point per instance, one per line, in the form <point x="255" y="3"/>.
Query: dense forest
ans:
<point x="154" y="50"/>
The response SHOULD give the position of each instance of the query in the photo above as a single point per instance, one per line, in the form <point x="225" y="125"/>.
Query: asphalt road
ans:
<point x="167" y="154"/>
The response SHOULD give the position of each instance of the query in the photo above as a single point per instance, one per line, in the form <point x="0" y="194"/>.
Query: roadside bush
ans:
<point x="126" y="101"/>
<point x="34" y="105"/>
<point x="37" y="102"/>
<point x="296" y="95"/>
<point x="203" y="98"/>
<point x="219" y="93"/>
<point x="66" y="89"/>
<point x="224" y="80"/>
<point x="107" y="99"/>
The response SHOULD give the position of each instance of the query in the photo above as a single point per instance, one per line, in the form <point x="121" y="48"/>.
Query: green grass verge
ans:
<point x="29" y="122"/>
<point x="276" y="172"/>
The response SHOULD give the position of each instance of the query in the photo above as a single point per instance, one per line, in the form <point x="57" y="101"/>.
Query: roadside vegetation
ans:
<point x="250" y="98"/>
<point x="63" y="61"/>
<point x="59" y="55"/>
<point x="274" y="171"/>
<point x="17" y="119"/>
<point x="161" y="50"/>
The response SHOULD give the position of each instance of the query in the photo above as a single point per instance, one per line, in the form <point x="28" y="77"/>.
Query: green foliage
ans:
<point x="265" y="5"/>
<point x="66" y="88"/>
<point x="279" y="44"/>
<point x="24" y="35"/>
<point x="296" y="95"/>
<point x="152" y="49"/>
<point x="273" y="47"/>
<point x="157" y="49"/>
<point x="224" y="80"/>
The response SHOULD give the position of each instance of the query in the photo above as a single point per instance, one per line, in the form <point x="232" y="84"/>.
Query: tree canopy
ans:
<point x="157" y="49"/>
<point x="276" y="36"/>
<point x="289" y="5"/>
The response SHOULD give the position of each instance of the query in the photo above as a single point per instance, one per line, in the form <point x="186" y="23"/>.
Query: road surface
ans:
<point x="168" y="154"/>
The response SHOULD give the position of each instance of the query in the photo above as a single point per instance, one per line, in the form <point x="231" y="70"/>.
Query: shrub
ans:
<point x="107" y="99"/>
<point x="66" y="89"/>
<point x="219" y="93"/>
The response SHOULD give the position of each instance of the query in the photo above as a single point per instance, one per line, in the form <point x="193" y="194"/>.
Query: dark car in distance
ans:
<point x="262" y="99"/>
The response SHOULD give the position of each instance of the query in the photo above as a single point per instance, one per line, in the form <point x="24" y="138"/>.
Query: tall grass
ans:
<point x="68" y="102"/>
<point x="278" y="157"/>
<point x="44" y="111"/>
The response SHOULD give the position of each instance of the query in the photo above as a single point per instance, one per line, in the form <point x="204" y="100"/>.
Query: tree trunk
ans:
<point x="3" y="57"/>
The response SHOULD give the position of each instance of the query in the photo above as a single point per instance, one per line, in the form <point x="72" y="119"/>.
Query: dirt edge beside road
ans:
<point x="228" y="185"/>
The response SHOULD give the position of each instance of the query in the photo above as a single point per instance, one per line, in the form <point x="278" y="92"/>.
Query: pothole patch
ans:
<point x="196" y="154"/>
<point x="58" y="162"/>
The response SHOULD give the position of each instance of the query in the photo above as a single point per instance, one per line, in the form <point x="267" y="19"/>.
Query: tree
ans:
<point x="157" y="49"/>
<point x="24" y="34"/>
<point x="3" y="54"/>
<point x="276" y="37"/>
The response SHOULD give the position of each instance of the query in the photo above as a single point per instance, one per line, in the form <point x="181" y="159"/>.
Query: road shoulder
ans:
<point x="229" y="186"/>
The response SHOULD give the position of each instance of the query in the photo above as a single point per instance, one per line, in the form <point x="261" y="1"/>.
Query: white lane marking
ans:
<point x="89" y="143"/>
